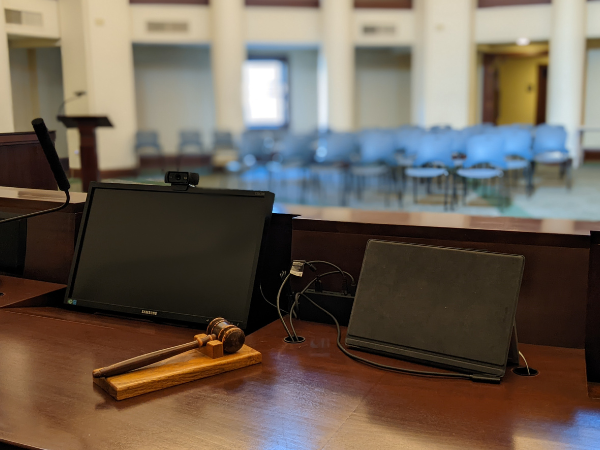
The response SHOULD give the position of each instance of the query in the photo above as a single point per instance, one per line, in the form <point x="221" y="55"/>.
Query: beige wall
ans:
<point x="382" y="88"/>
<point x="23" y="83"/>
<point x="173" y="90"/>
<point x="284" y="26"/>
<point x="505" y="25"/>
<point x="518" y="79"/>
<point x="45" y="23"/>
<point x="36" y="76"/>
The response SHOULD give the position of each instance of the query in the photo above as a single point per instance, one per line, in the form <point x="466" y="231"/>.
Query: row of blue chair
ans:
<point x="481" y="152"/>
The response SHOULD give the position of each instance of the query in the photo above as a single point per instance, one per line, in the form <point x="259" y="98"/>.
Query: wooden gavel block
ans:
<point x="220" y="350"/>
<point x="213" y="349"/>
<point x="221" y="337"/>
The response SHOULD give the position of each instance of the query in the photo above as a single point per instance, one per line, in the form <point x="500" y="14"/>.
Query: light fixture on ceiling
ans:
<point x="523" y="41"/>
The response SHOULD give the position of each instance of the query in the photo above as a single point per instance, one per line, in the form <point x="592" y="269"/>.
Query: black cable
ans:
<point x="279" y="310"/>
<point x="39" y="213"/>
<point x="384" y="366"/>
<point x="296" y="297"/>
<point x="338" y="269"/>
<point x="267" y="300"/>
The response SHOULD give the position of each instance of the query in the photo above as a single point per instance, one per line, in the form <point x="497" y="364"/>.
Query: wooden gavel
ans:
<point x="218" y="330"/>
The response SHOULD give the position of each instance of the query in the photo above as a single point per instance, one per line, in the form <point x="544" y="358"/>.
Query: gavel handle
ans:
<point x="147" y="359"/>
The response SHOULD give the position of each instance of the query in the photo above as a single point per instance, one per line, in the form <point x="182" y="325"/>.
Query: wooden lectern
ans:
<point x="87" y="131"/>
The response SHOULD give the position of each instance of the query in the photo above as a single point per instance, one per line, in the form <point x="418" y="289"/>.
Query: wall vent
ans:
<point x="167" y="27"/>
<point x="26" y="18"/>
<point x="379" y="30"/>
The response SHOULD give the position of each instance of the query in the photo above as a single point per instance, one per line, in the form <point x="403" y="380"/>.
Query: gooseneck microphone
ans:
<point x="62" y="105"/>
<point x="59" y="174"/>
<point x="51" y="156"/>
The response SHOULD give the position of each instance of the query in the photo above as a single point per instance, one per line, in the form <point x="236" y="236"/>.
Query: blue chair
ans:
<point x="375" y="160"/>
<point x="147" y="142"/>
<point x="148" y="148"/>
<point x="485" y="161"/>
<point x="223" y="140"/>
<point x="251" y="153"/>
<point x="332" y="159"/>
<point x="190" y="143"/>
<point x="549" y="148"/>
<point x="291" y="160"/>
<point x="407" y="143"/>
<point x="440" y="128"/>
<point x="518" y="152"/>
<point x="433" y="160"/>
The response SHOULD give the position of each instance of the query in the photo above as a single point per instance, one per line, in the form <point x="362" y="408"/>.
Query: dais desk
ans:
<point x="306" y="396"/>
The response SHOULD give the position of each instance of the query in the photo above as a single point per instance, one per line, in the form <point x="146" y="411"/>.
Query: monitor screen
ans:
<point x="154" y="251"/>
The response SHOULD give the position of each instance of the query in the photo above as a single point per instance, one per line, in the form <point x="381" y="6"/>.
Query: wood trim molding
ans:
<point x="494" y="3"/>
<point x="591" y="154"/>
<point x="171" y="2"/>
<point x="19" y="138"/>
<point x="294" y="3"/>
<point x="391" y="4"/>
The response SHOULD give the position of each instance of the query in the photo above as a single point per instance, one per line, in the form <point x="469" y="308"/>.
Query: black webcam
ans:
<point x="182" y="178"/>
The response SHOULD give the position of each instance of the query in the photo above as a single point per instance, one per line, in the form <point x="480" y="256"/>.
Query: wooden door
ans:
<point x="490" y="90"/>
<point x="540" y="116"/>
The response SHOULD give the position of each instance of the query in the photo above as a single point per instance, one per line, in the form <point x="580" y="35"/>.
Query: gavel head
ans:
<point x="232" y="337"/>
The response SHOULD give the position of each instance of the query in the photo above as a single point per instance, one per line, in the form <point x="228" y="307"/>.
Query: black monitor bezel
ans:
<point x="269" y="199"/>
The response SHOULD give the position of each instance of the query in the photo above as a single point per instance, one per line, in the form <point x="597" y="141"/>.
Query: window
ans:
<point x="265" y="91"/>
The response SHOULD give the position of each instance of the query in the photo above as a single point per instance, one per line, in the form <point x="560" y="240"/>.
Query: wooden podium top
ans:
<point x="75" y="121"/>
<point x="25" y="200"/>
<point x="302" y="396"/>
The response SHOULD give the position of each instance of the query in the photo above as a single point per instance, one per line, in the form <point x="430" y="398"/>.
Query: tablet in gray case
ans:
<point x="440" y="306"/>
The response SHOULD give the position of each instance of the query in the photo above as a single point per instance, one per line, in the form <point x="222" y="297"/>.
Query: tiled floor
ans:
<point x="551" y="199"/>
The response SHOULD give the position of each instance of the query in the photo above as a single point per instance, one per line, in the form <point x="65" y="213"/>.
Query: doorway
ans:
<point x="514" y="83"/>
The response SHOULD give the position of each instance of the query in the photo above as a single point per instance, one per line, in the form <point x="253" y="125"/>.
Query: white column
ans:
<point x="566" y="70"/>
<point x="336" y="66"/>
<point x="6" y="104"/>
<point x="228" y="53"/>
<point x="97" y="57"/>
<point x="442" y="62"/>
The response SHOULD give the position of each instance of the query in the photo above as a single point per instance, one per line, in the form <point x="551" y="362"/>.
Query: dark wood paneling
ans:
<point x="491" y="92"/>
<point x="492" y="3"/>
<point x="50" y="241"/>
<point x="592" y="329"/>
<point x="23" y="163"/>
<point x="591" y="154"/>
<point x="305" y="396"/>
<point x="20" y="292"/>
<point x="296" y="3"/>
<point x="395" y="4"/>
<point x="171" y="2"/>
<point x="542" y="93"/>
<point x="552" y="301"/>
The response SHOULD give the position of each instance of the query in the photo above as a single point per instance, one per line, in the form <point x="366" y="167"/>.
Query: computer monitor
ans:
<point x="163" y="253"/>
<point x="440" y="306"/>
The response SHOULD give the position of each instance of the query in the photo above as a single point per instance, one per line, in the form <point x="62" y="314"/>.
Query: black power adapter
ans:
<point x="338" y="304"/>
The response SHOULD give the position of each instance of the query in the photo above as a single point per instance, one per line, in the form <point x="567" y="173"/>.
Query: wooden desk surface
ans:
<point x="306" y="396"/>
